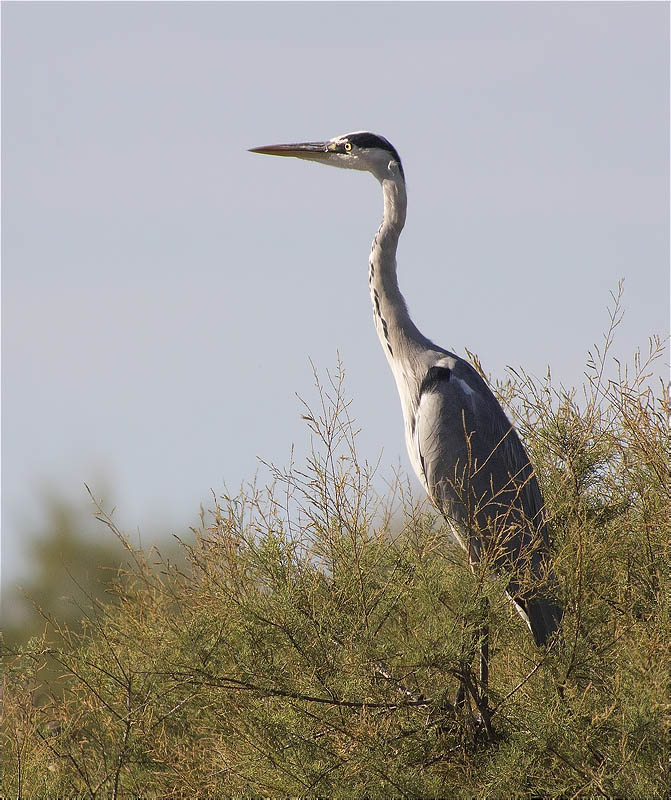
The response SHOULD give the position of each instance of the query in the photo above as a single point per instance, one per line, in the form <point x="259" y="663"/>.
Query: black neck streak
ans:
<point x="394" y="326"/>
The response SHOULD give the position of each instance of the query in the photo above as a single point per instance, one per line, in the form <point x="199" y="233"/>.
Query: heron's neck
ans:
<point x="397" y="332"/>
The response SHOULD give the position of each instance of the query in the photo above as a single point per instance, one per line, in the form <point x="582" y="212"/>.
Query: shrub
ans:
<point x="313" y="643"/>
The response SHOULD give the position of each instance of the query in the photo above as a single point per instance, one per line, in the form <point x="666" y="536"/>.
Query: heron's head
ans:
<point x="361" y="150"/>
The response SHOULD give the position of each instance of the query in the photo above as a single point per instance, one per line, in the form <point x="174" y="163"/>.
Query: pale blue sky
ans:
<point x="163" y="289"/>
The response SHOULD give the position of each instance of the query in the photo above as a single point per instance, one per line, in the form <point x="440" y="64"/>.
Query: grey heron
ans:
<point x="462" y="446"/>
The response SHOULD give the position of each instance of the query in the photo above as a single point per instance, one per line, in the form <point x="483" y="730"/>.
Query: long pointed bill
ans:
<point x="313" y="151"/>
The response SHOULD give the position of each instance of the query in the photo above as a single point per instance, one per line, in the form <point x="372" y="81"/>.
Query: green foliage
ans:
<point x="69" y="563"/>
<point x="312" y="648"/>
<point x="71" y="569"/>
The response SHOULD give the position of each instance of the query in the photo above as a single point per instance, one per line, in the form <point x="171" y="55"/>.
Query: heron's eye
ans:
<point x="348" y="147"/>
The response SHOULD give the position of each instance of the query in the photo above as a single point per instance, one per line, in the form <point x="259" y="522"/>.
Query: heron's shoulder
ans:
<point x="443" y="366"/>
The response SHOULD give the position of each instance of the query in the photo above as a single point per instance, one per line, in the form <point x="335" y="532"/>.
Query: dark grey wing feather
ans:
<point x="477" y="472"/>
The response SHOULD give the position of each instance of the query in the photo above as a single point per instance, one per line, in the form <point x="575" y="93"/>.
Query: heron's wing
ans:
<point x="477" y="472"/>
<point x="470" y="454"/>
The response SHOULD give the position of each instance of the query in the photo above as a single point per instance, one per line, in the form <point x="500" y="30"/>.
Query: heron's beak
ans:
<point x="313" y="151"/>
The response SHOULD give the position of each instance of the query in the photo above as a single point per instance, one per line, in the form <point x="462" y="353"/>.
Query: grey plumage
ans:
<point x="463" y="448"/>
<point x="486" y="489"/>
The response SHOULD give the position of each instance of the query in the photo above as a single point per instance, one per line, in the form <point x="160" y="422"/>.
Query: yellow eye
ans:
<point x="348" y="147"/>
